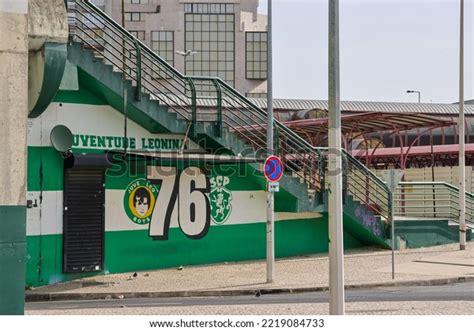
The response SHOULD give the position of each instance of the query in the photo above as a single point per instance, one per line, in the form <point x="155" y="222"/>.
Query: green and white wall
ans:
<point x="235" y="195"/>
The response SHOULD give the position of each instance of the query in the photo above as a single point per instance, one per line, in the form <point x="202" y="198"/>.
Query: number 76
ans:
<point x="187" y="191"/>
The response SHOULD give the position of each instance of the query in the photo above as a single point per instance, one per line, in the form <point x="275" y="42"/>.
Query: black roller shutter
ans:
<point x="84" y="197"/>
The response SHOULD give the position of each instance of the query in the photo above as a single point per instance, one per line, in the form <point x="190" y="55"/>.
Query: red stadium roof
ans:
<point x="414" y="151"/>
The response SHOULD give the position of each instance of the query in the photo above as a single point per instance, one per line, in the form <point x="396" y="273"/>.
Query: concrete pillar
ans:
<point x="13" y="115"/>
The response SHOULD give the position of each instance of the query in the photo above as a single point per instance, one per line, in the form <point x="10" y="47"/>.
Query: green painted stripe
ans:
<point x="78" y="97"/>
<point x="428" y="233"/>
<point x="45" y="169"/>
<point x="12" y="224"/>
<point x="45" y="261"/>
<point x="12" y="259"/>
<point x="12" y="278"/>
<point x="127" y="251"/>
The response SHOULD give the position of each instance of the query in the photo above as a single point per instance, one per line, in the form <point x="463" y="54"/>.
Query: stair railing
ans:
<point x="438" y="200"/>
<point x="132" y="58"/>
<point x="364" y="186"/>
<point x="211" y="100"/>
<point x="187" y="95"/>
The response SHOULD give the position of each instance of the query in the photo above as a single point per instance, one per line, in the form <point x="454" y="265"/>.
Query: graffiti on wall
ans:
<point x="369" y="221"/>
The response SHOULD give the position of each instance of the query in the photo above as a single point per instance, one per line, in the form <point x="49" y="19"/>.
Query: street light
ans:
<point x="418" y="92"/>
<point x="187" y="53"/>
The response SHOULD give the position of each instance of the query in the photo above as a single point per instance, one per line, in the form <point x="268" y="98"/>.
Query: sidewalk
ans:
<point x="363" y="268"/>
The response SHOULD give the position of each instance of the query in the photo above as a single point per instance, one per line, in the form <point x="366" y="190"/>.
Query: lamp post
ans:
<point x="189" y="52"/>
<point x="185" y="55"/>
<point x="417" y="92"/>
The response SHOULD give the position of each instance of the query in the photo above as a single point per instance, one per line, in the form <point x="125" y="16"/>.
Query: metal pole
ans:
<point x="125" y="121"/>
<point x="124" y="58"/>
<point x="270" y="195"/>
<point x="462" y="163"/>
<point x="433" y="172"/>
<point x="336" y="249"/>
<point x="123" y="13"/>
<point x="392" y="221"/>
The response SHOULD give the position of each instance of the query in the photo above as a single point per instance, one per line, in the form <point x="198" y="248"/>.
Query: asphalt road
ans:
<point x="452" y="292"/>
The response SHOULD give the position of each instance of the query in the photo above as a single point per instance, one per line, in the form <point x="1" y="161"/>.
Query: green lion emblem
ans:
<point x="220" y="198"/>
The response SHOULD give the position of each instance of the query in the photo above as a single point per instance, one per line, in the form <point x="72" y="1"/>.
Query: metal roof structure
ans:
<point x="364" y="123"/>
<point x="414" y="156"/>
<point x="414" y="151"/>
<point x="367" y="106"/>
<point x="314" y="130"/>
<point x="346" y="106"/>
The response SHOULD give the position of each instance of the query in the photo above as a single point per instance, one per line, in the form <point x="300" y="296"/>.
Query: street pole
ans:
<point x="461" y="125"/>
<point x="270" y="193"/>
<point x="123" y="13"/>
<point x="392" y="178"/>
<point x="336" y="249"/>
<point x="392" y="220"/>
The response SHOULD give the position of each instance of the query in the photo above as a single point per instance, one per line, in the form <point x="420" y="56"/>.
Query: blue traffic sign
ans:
<point x="273" y="168"/>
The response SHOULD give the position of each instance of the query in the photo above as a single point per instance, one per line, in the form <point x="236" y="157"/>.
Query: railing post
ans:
<point x="345" y="170"/>
<point x="138" y="89"/>
<point x="392" y="225"/>
<point x="219" y="108"/>
<point x="322" y="174"/>
<point x="193" y="107"/>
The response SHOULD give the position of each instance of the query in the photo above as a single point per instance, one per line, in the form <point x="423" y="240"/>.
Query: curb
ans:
<point x="41" y="297"/>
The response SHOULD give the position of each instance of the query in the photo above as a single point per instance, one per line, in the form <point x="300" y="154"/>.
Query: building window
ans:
<point x="212" y="36"/>
<point x="256" y="55"/>
<point x="137" y="2"/>
<point x="162" y="42"/>
<point x="209" y="8"/>
<point x="256" y="95"/>
<point x="138" y="34"/>
<point x="133" y="17"/>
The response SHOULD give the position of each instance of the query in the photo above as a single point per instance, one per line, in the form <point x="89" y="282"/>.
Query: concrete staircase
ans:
<point x="241" y="135"/>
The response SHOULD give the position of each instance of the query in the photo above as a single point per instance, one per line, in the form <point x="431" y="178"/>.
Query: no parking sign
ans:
<point x="273" y="171"/>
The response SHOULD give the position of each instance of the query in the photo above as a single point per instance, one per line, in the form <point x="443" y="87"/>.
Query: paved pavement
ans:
<point x="352" y="308"/>
<point x="363" y="268"/>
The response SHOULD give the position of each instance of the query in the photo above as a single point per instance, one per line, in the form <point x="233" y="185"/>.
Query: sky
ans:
<point x="386" y="48"/>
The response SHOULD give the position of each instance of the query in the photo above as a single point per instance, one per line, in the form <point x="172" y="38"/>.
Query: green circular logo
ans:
<point x="139" y="201"/>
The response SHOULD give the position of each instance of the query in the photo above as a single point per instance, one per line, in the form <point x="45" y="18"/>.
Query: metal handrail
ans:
<point x="436" y="199"/>
<point x="124" y="31"/>
<point x="232" y="109"/>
